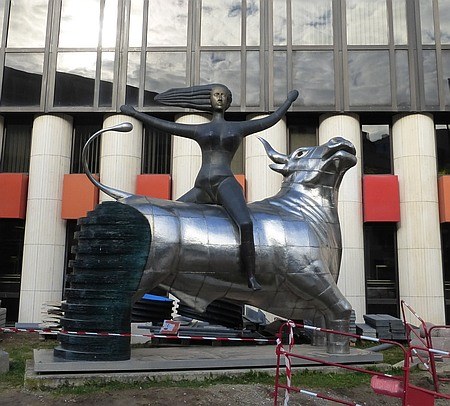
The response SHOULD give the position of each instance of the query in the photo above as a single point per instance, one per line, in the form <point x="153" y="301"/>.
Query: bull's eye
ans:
<point x="299" y="154"/>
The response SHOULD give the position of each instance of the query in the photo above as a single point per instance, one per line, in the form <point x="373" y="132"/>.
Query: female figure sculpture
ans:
<point x="219" y="140"/>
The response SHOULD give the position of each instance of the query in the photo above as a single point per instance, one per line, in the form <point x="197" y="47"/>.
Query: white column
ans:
<point x="45" y="231"/>
<point x="262" y="182"/>
<point x="418" y="235"/>
<point x="351" y="279"/>
<point x="186" y="157"/>
<point x="120" y="155"/>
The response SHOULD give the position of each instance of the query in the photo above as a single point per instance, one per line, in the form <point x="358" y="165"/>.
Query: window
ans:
<point x="443" y="149"/>
<point x="22" y="79"/>
<point x="380" y="252"/>
<point x="27" y="24"/>
<point x="157" y="49"/>
<point x="221" y="23"/>
<point x="313" y="74"/>
<point x="82" y="130"/>
<point x="11" y="251"/>
<point x="435" y="57"/>
<point x="85" y="60"/>
<point x="302" y="136"/>
<point x="165" y="13"/>
<point x="16" y="146"/>
<point x="229" y="49"/>
<point x="312" y="22"/>
<point x="367" y="22"/>
<point x="75" y="79"/>
<point x="445" y="241"/>
<point x="369" y="78"/>
<point x="402" y="78"/>
<point x="446" y="75"/>
<point x="156" y="151"/>
<point x="376" y="145"/>
<point x="24" y="54"/>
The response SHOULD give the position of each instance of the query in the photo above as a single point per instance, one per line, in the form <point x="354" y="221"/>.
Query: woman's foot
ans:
<point x="253" y="283"/>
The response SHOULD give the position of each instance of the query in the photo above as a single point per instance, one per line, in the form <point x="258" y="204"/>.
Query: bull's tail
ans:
<point x="114" y="193"/>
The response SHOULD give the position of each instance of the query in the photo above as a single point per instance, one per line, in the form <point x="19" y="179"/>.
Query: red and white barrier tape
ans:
<point x="106" y="334"/>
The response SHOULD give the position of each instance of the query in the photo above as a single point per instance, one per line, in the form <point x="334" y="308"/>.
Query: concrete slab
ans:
<point x="159" y="359"/>
<point x="179" y="363"/>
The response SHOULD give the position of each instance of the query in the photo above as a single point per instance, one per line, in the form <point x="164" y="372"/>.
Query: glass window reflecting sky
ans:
<point x="369" y="80"/>
<point x="27" y="23"/>
<point x="444" y="19"/>
<point x="427" y="21"/>
<point x="314" y="76"/>
<point x="253" y="22"/>
<point x="399" y="22"/>
<point x="136" y="21"/>
<point x="22" y="80"/>
<point x="312" y="22"/>
<point x="221" y="22"/>
<point x="79" y="28"/>
<point x="165" y="70"/>
<point x="163" y="14"/>
<point x="430" y="78"/>
<point x="170" y="43"/>
<point x="109" y="24"/>
<point x="279" y="22"/>
<point x="367" y="22"/>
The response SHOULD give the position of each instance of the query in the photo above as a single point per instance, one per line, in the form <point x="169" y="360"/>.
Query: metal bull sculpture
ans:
<point x="194" y="248"/>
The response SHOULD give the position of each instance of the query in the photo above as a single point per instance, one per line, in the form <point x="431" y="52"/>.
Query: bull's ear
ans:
<point x="280" y="168"/>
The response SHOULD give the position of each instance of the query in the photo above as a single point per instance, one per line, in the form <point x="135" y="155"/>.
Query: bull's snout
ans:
<point x="339" y="144"/>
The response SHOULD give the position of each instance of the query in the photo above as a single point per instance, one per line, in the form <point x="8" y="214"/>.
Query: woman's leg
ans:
<point x="195" y="195"/>
<point x="231" y="197"/>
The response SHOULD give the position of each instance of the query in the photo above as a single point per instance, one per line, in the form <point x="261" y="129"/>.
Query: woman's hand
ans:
<point x="292" y="95"/>
<point x="129" y="110"/>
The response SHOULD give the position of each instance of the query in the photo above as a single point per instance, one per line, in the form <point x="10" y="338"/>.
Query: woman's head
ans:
<point x="220" y="97"/>
<point x="198" y="97"/>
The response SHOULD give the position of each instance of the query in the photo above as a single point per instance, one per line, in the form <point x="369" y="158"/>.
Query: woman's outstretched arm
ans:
<point x="183" y="130"/>
<point x="254" y="126"/>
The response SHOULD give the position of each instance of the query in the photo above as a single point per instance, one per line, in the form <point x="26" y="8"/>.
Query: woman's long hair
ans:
<point x="194" y="97"/>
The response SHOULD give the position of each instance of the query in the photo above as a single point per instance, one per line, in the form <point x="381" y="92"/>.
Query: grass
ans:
<point x="20" y="348"/>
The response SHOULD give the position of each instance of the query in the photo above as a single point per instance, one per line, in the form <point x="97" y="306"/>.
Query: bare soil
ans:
<point x="213" y="395"/>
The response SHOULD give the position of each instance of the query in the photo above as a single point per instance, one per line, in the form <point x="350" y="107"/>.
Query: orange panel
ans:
<point x="444" y="198"/>
<point x="79" y="196"/>
<point x="242" y="182"/>
<point x="153" y="185"/>
<point x="381" y="198"/>
<point x="13" y="192"/>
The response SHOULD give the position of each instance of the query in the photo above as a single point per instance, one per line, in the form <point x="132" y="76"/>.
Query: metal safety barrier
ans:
<point x="383" y="384"/>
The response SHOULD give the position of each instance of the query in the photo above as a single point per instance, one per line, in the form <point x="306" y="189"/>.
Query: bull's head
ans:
<point x="314" y="166"/>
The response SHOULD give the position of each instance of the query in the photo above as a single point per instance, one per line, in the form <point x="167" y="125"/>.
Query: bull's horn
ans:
<point x="272" y="154"/>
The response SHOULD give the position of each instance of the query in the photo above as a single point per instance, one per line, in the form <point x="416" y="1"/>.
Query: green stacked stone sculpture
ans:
<point x="112" y="250"/>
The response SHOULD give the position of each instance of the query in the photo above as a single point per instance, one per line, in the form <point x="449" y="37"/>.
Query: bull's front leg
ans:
<point x="316" y="282"/>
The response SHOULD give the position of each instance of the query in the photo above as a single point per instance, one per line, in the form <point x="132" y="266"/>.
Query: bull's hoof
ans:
<point x="253" y="283"/>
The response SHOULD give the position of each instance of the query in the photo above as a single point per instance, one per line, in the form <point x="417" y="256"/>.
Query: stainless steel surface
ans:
<point x="195" y="247"/>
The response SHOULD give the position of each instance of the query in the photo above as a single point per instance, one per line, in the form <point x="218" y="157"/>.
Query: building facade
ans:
<point x="376" y="72"/>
